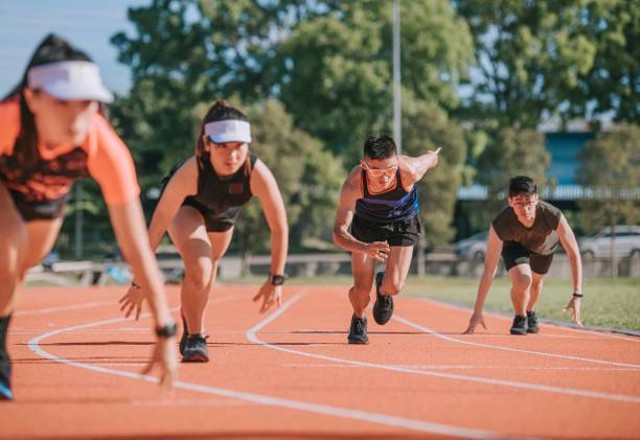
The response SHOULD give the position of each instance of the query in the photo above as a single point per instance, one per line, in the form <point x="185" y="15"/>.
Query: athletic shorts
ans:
<point x="45" y="210"/>
<point x="214" y="222"/>
<point x="514" y="254"/>
<point x="399" y="233"/>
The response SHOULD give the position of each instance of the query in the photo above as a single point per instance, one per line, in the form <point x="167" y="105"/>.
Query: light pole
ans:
<point x="397" y="100"/>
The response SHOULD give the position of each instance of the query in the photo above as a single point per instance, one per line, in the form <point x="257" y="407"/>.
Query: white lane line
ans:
<point x="603" y="334"/>
<point x="64" y="308"/>
<point x="515" y="350"/>
<point x="261" y="399"/>
<point x="467" y="367"/>
<point x="251" y="336"/>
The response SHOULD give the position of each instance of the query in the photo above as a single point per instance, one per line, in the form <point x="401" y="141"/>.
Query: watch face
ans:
<point x="277" y="280"/>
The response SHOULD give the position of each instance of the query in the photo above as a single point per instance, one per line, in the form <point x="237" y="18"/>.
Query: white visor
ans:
<point x="231" y="130"/>
<point x="70" y="81"/>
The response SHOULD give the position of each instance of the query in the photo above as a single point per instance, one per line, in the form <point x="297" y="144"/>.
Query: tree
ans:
<point x="510" y="152"/>
<point x="529" y="55"/>
<point x="335" y="75"/>
<point x="309" y="179"/>
<point x="613" y="82"/>
<point x="610" y="170"/>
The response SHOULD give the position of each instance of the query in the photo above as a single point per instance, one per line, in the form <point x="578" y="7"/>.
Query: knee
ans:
<point x="198" y="276"/>
<point x="11" y="257"/>
<point x="392" y="286"/>
<point x="522" y="282"/>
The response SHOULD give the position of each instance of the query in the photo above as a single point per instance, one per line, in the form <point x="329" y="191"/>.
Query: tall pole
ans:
<point x="397" y="100"/>
<point x="79" y="220"/>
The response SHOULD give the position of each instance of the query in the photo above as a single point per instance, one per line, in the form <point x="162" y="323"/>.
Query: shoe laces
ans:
<point x="384" y="300"/>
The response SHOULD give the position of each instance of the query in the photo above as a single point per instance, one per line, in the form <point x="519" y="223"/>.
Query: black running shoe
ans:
<point x="195" y="349"/>
<point x="519" y="326"/>
<point x="185" y="334"/>
<point x="358" y="330"/>
<point x="5" y="361"/>
<point x="383" y="307"/>
<point x="532" y="322"/>
<point x="5" y="382"/>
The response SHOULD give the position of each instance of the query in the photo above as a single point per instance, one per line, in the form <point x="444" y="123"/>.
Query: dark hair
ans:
<point x="522" y="185"/>
<point x="221" y="110"/>
<point x="52" y="49"/>
<point x="379" y="147"/>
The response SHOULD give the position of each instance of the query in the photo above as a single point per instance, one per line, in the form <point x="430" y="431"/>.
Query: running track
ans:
<point x="290" y="374"/>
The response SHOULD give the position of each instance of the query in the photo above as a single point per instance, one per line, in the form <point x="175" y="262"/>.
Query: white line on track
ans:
<point x="251" y="336"/>
<point x="468" y="367"/>
<point x="63" y="308"/>
<point x="424" y="329"/>
<point x="261" y="399"/>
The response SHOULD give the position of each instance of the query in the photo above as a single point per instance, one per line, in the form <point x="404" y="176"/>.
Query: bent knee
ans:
<point x="522" y="281"/>
<point x="199" y="275"/>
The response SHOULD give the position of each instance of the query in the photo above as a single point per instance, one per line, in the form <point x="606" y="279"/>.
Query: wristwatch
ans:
<point x="277" y="279"/>
<point x="166" y="331"/>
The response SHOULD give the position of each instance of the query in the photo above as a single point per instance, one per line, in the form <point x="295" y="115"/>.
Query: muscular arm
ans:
<point x="570" y="245"/>
<point x="182" y="184"/>
<point x="129" y="225"/>
<point x="416" y="167"/>
<point x="351" y="191"/>
<point x="494" y="249"/>
<point x="265" y="188"/>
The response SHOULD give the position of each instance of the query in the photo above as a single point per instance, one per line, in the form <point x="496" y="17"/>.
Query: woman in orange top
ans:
<point x="52" y="133"/>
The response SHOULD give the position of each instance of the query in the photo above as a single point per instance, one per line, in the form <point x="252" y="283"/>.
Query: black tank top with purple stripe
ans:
<point x="387" y="207"/>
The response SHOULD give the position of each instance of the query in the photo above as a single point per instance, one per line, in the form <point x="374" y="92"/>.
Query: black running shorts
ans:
<point x="514" y="253"/>
<point x="400" y="233"/>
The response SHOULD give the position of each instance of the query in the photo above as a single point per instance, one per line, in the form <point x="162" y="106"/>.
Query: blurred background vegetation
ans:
<point x="315" y="77"/>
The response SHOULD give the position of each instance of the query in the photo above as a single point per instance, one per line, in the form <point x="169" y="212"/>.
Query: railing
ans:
<point x="86" y="273"/>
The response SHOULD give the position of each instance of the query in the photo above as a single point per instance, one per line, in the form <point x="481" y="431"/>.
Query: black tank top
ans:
<point x="389" y="206"/>
<point x="220" y="198"/>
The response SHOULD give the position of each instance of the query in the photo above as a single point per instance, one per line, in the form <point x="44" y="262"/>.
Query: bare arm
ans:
<point x="129" y="226"/>
<point x="350" y="193"/>
<point x="416" y="167"/>
<point x="570" y="245"/>
<point x="494" y="249"/>
<point x="265" y="188"/>
<point x="182" y="184"/>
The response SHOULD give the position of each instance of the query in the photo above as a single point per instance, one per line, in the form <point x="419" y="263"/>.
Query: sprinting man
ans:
<point x="527" y="233"/>
<point x="200" y="202"/>
<point x="377" y="220"/>
<point x="52" y="133"/>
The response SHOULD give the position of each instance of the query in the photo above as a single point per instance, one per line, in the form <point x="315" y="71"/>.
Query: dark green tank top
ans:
<point x="541" y="238"/>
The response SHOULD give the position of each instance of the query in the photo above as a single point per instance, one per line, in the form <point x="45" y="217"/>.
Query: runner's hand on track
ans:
<point x="270" y="295"/>
<point x="574" y="307"/>
<point x="378" y="250"/>
<point x="476" y="318"/>
<point x="132" y="300"/>
<point x="164" y="355"/>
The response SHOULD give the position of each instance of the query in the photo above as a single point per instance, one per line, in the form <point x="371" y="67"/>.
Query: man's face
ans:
<point x="524" y="205"/>
<point x="382" y="171"/>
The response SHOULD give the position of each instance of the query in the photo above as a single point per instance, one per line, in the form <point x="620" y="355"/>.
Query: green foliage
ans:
<point x="336" y="76"/>
<point x="427" y="127"/>
<point x="531" y="56"/>
<point x="308" y="178"/>
<point x="613" y="82"/>
<point x="610" y="167"/>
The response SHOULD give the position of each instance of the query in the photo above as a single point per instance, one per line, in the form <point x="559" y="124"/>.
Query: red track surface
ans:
<point x="290" y="374"/>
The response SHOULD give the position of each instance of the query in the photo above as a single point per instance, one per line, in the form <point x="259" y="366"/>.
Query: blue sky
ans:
<point x="87" y="24"/>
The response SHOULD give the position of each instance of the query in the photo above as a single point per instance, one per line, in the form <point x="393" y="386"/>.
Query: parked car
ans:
<point x="627" y="243"/>
<point x="473" y="248"/>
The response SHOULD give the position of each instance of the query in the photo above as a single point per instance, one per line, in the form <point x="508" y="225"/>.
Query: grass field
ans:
<point x="608" y="303"/>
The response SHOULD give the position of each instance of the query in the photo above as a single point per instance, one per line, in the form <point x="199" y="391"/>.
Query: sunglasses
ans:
<point x="379" y="172"/>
